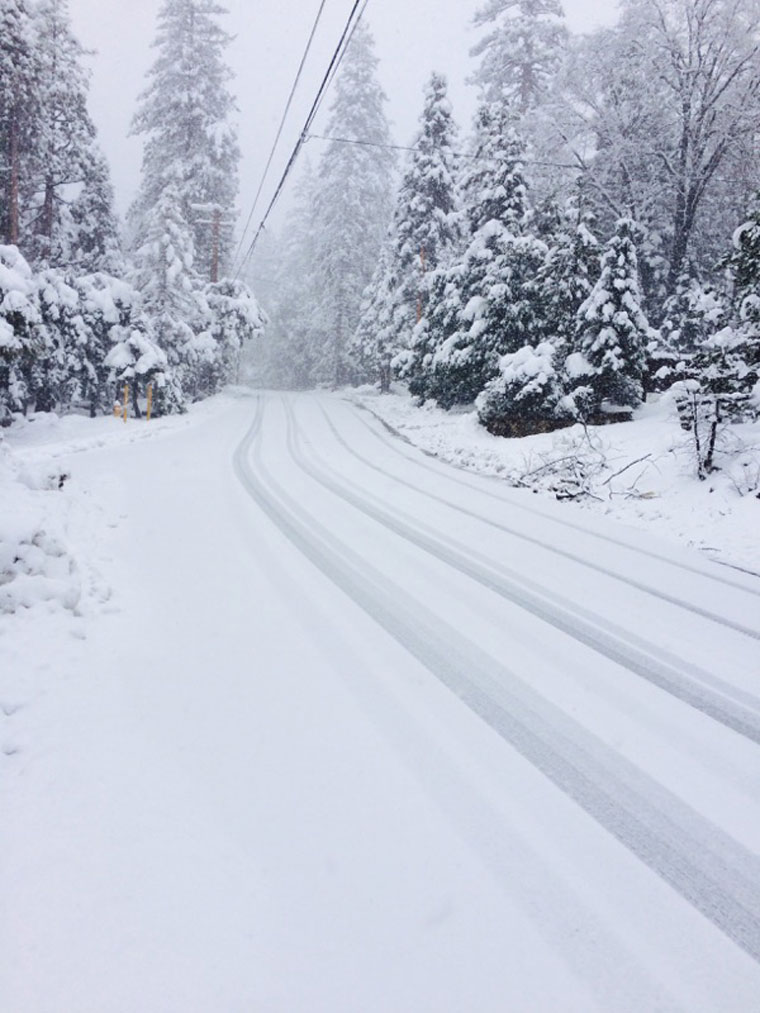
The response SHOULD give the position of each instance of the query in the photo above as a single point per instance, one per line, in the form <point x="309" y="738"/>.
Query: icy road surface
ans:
<point x="360" y="732"/>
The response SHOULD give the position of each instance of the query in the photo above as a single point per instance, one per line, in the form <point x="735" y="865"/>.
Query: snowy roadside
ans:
<point x="52" y="537"/>
<point x="639" y="473"/>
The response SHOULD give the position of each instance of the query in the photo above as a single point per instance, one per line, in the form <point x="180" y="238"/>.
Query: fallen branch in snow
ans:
<point x="622" y="471"/>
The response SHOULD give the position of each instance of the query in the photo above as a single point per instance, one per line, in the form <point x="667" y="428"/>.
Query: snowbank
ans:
<point x="36" y="568"/>
<point x="640" y="472"/>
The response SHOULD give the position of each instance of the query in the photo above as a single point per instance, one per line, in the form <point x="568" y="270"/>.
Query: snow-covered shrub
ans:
<point x="527" y="395"/>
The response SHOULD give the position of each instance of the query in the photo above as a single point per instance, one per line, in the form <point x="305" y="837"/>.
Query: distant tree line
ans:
<point x="582" y="248"/>
<point x="84" y="309"/>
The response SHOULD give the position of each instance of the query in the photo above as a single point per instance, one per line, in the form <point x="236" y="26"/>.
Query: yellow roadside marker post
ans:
<point x="150" y="401"/>
<point x="126" y="400"/>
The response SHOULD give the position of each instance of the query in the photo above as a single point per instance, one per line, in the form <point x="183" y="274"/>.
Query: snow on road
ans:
<point x="353" y="731"/>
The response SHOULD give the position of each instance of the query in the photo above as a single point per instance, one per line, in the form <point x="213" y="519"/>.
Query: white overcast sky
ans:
<point x="413" y="38"/>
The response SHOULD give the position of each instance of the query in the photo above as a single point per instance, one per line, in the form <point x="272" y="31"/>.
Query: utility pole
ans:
<point x="215" y="218"/>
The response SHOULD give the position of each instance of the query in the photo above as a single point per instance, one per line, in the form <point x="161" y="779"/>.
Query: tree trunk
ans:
<point x="135" y="403"/>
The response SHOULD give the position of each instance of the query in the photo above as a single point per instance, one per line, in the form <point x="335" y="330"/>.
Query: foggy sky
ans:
<point x="412" y="40"/>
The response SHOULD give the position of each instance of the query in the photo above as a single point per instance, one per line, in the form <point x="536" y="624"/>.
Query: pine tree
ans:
<point x="612" y="331"/>
<point x="728" y="362"/>
<point x="424" y="231"/>
<point x="521" y="51"/>
<point x="55" y="374"/>
<point x="372" y="346"/>
<point x="165" y="277"/>
<point x="98" y="243"/>
<point x="184" y="116"/>
<point x="352" y="206"/>
<point x="570" y="272"/>
<point x="63" y="136"/>
<point x="235" y="321"/>
<point x="490" y="297"/>
<point x="18" y="108"/>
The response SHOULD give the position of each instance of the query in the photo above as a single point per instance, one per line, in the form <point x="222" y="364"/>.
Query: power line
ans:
<point x="460" y="154"/>
<point x="337" y="58"/>
<point x="281" y="127"/>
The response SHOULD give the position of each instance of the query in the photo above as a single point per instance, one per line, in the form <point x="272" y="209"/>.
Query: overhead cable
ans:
<point x="281" y="127"/>
<point x="353" y="20"/>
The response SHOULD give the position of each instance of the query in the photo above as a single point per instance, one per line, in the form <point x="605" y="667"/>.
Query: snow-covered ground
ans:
<point x="295" y="718"/>
<point x="641" y="473"/>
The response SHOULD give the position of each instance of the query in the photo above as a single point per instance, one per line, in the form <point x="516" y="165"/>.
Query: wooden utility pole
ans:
<point x="215" y="221"/>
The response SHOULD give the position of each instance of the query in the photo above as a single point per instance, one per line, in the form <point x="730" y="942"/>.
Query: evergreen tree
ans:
<point x="612" y="331"/>
<point x="424" y="231"/>
<point x="98" y="244"/>
<point x="165" y="277"/>
<point x="521" y="50"/>
<point x="372" y="346"/>
<point x="53" y="378"/>
<point x="570" y="272"/>
<point x="63" y="136"/>
<point x="190" y="145"/>
<point x="491" y="295"/>
<point x="18" y="108"/>
<point x="235" y="320"/>
<point x="352" y="206"/>
<point x="728" y="362"/>
<point x="123" y="348"/>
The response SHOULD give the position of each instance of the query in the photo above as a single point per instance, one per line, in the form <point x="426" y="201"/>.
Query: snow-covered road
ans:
<point x="366" y="733"/>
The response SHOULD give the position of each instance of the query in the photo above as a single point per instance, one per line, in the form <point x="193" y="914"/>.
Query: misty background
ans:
<point x="412" y="40"/>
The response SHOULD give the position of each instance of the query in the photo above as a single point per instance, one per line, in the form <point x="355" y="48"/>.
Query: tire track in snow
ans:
<point x="708" y="868"/>
<point x="393" y="444"/>
<point x="532" y="540"/>
<point x="719" y="700"/>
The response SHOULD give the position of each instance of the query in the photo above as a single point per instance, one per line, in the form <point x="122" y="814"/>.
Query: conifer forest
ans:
<point x="590" y="238"/>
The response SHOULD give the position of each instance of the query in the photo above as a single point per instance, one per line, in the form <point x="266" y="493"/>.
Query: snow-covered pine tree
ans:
<point x="54" y="380"/>
<point x="63" y="137"/>
<point x="165" y="276"/>
<point x="98" y="243"/>
<point x="122" y="348"/>
<point x="371" y="347"/>
<point x="612" y="331"/>
<point x="520" y="52"/>
<point x="18" y="108"/>
<point x="352" y="205"/>
<point x="490" y="301"/>
<point x="424" y="231"/>
<point x="235" y="321"/>
<point x="570" y="272"/>
<point x="728" y="362"/>
<point x="185" y="118"/>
